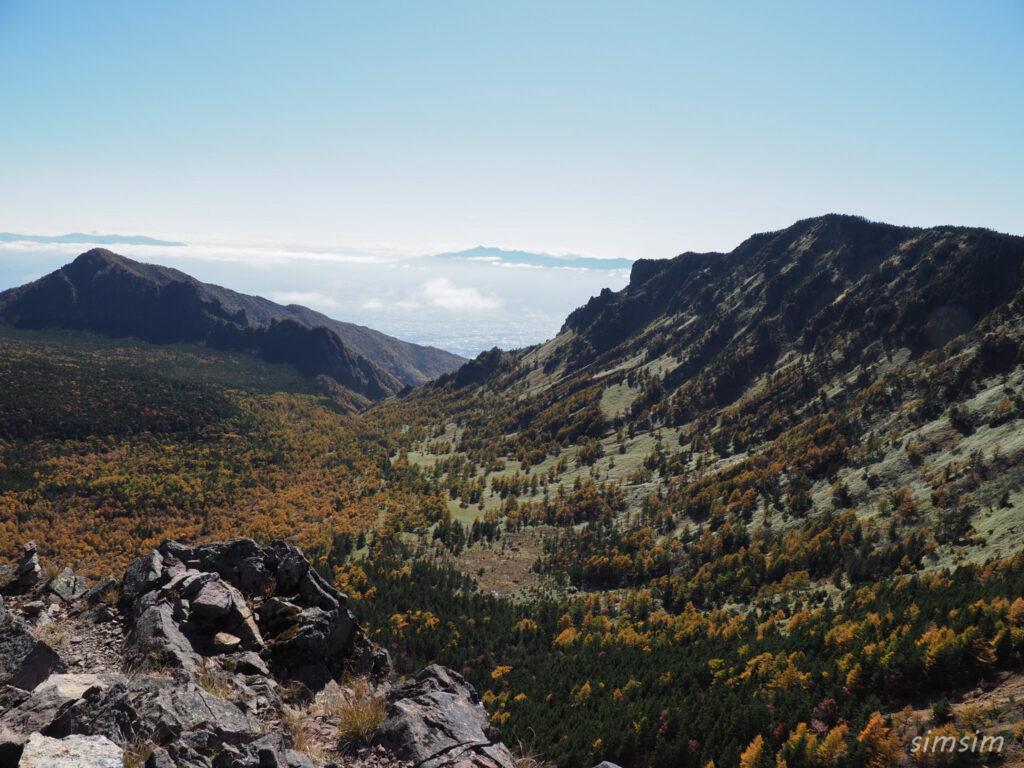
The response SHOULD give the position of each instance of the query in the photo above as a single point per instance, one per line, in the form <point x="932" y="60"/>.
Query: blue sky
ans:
<point x="623" y="130"/>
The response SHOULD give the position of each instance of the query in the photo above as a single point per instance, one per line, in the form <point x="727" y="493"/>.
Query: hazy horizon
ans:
<point x="461" y="303"/>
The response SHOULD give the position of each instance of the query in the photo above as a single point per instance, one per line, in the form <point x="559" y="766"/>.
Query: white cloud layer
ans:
<point x="442" y="292"/>
<point x="419" y="298"/>
<point x="306" y="298"/>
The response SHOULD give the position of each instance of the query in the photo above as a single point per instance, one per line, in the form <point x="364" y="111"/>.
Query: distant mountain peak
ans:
<point x="81" y="237"/>
<point x="526" y="258"/>
<point x="107" y="293"/>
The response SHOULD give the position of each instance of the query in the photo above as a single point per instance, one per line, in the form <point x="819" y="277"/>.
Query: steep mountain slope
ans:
<point x="107" y="293"/>
<point x="797" y="347"/>
<point x="799" y="461"/>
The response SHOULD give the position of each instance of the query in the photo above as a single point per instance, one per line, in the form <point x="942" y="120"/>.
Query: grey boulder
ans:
<point x="437" y="720"/>
<point x="24" y="661"/>
<point x="71" y="752"/>
<point x="67" y="586"/>
<point x="157" y="709"/>
<point x="35" y="711"/>
<point x="156" y="641"/>
<point x="269" y="751"/>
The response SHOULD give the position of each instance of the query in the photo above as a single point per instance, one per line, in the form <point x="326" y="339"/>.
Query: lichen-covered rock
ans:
<point x="437" y="720"/>
<point x="309" y="645"/>
<point x="67" y="586"/>
<point x="71" y="752"/>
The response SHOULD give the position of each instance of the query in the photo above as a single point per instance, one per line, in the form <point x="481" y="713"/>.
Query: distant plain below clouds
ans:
<point x="463" y="301"/>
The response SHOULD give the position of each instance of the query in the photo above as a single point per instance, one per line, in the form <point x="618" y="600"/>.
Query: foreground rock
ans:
<point x="157" y="710"/>
<point x="26" y="712"/>
<point x="71" y="752"/>
<point x="220" y="646"/>
<point x="67" y="586"/>
<point x="24" y="661"/>
<point x="437" y="720"/>
<point x="235" y="596"/>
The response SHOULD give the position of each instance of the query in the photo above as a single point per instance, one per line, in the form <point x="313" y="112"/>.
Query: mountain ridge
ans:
<point x="108" y="293"/>
<point x="804" y="274"/>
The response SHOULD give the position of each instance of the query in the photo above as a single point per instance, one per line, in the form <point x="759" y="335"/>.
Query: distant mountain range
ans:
<point x="524" y="258"/>
<point x="80" y="237"/>
<point x="109" y="294"/>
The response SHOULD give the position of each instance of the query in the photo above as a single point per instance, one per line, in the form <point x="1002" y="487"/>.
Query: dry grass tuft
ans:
<point x="362" y="715"/>
<point x="337" y="719"/>
<point x="305" y="734"/>
<point x="525" y="757"/>
<point x="213" y="681"/>
<point x="53" y="633"/>
<point x="137" y="752"/>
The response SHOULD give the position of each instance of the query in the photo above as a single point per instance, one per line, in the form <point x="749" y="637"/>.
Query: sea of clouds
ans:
<point x="462" y="303"/>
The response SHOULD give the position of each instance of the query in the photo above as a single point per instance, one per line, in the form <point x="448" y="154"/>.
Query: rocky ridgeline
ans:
<point x="223" y="655"/>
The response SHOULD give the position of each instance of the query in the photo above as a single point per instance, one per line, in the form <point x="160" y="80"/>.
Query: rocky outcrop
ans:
<point x="222" y="644"/>
<point x="158" y="710"/>
<point x="236" y="596"/>
<point x="437" y="720"/>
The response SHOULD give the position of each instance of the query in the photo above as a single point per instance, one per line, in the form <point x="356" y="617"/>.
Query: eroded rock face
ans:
<point x="36" y="711"/>
<point x="156" y="641"/>
<point x="437" y="720"/>
<point x="198" y="601"/>
<point x="157" y="709"/>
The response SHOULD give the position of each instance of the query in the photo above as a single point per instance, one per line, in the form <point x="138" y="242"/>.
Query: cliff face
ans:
<point x="804" y="286"/>
<point x="223" y="655"/>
